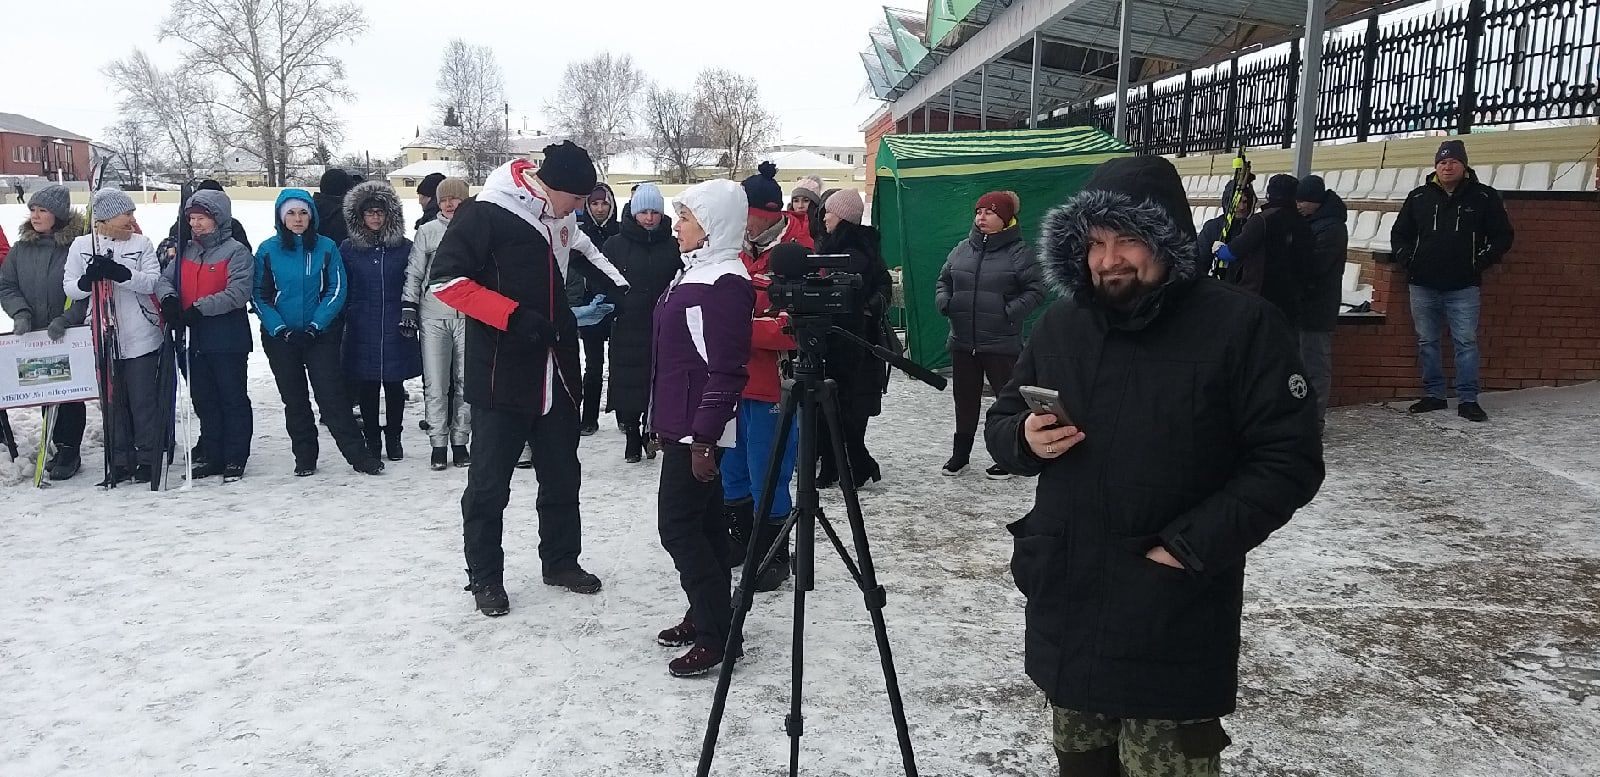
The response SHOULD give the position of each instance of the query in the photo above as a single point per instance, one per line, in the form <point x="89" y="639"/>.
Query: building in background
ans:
<point x="30" y="148"/>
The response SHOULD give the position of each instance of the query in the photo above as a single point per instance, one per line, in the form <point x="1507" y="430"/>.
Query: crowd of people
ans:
<point x="1194" y="366"/>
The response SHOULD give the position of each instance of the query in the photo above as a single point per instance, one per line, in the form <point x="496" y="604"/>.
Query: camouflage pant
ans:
<point x="1090" y="745"/>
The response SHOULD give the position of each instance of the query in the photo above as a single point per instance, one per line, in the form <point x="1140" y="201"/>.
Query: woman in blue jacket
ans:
<point x="300" y="290"/>
<point x="378" y="351"/>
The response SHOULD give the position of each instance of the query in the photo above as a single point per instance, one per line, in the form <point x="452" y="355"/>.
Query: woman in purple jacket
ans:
<point x="701" y="346"/>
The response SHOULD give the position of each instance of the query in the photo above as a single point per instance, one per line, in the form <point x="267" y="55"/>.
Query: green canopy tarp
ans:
<point x="926" y="188"/>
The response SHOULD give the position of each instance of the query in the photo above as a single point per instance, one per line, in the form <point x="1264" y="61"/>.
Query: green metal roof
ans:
<point x="971" y="152"/>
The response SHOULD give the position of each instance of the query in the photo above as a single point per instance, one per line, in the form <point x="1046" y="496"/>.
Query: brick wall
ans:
<point x="1540" y="321"/>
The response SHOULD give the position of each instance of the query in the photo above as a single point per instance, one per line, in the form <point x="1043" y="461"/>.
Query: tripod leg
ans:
<point x="873" y="593"/>
<point x="744" y="593"/>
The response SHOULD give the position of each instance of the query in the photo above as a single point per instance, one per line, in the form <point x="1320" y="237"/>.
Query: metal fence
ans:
<point x="1488" y="62"/>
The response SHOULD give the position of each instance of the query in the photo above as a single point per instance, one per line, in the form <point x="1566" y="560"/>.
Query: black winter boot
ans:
<point x="392" y="438"/>
<point x="633" y="450"/>
<point x="960" y="455"/>
<point x="459" y="457"/>
<point x="737" y="516"/>
<point x="441" y="459"/>
<point x="374" y="438"/>
<point x="777" y="572"/>
<point x="65" y="463"/>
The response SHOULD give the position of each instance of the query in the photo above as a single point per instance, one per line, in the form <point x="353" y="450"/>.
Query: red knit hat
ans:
<point x="1004" y="204"/>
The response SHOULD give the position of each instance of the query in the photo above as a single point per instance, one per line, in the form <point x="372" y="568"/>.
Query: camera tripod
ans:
<point x="813" y="398"/>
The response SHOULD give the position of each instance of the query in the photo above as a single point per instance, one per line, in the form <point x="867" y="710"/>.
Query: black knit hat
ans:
<point x="430" y="184"/>
<point x="1281" y="187"/>
<point x="762" y="189"/>
<point x="1451" y="149"/>
<point x="1311" y="189"/>
<point x="567" y="168"/>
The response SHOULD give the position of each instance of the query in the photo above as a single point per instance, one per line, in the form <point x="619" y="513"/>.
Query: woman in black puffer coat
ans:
<point x="378" y="352"/>
<point x="989" y="286"/>
<point x="859" y="374"/>
<point x="648" y="256"/>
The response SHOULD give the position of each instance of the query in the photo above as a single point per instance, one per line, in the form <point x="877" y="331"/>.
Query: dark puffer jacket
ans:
<point x="859" y="373"/>
<point x="1445" y="241"/>
<point x="1201" y="437"/>
<point x="1270" y="256"/>
<point x="30" y="277"/>
<point x="329" y="200"/>
<point x="375" y="265"/>
<point x="650" y="260"/>
<point x="1320" y="294"/>
<point x="988" y="288"/>
<point x="579" y="289"/>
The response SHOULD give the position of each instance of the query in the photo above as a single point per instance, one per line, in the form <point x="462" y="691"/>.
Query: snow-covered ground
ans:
<point x="1435" y="611"/>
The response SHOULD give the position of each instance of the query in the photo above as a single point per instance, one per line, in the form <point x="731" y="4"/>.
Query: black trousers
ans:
<point x="219" y="389"/>
<point x="498" y="437"/>
<point x="71" y="417"/>
<point x="292" y="367"/>
<point x="967" y="373"/>
<point x="855" y="446"/>
<point x="594" y="369"/>
<point x="394" y="406"/>
<point x="136" y="412"/>
<point x="689" y="517"/>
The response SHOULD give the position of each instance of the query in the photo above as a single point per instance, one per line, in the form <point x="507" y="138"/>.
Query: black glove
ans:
<point x="410" y="322"/>
<point x="524" y="323"/>
<point x="22" y="322"/>
<point x="298" y="339"/>
<point x="703" y="459"/>
<point x="171" y="311"/>
<point x="112" y="271"/>
<point x="192" y="316"/>
<point x="312" y="333"/>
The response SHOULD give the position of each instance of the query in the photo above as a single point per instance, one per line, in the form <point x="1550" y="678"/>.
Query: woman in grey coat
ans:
<point x="443" y="330"/>
<point x="31" y="293"/>
<point x="988" y="287"/>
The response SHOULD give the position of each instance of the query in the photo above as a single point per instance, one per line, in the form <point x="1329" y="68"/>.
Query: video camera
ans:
<point x="807" y="284"/>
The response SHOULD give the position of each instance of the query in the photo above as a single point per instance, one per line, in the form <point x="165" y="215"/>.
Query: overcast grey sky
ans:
<point x="807" y="62"/>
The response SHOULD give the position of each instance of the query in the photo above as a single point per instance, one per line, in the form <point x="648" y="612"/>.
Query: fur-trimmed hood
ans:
<point x="1139" y="196"/>
<point x="394" y="227"/>
<point x="63" y="235"/>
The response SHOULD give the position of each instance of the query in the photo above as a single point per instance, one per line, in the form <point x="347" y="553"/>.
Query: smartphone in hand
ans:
<point x="1043" y="401"/>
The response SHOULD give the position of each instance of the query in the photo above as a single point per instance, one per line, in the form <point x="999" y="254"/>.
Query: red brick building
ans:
<point x="29" y="147"/>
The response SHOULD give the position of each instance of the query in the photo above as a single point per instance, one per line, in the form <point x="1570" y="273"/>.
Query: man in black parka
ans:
<point x="1193" y="437"/>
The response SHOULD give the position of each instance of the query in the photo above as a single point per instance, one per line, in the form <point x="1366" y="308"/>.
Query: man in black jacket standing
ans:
<point x="1450" y="229"/>
<point x="502" y="263"/>
<point x="1325" y="212"/>
<point x="1269" y="257"/>
<point x="1192" y="438"/>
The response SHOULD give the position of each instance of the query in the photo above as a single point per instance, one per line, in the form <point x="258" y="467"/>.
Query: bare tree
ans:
<point x="597" y="104"/>
<point x="135" y="140"/>
<point x="177" y="108"/>
<point x="471" y="103"/>
<point x="735" y="121"/>
<point x="676" y="131"/>
<point x="275" y="59"/>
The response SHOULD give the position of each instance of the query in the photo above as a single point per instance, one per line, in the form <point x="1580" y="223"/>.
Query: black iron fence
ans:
<point x="1486" y="62"/>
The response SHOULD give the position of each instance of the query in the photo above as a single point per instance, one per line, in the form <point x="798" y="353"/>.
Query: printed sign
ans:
<point x="35" y="370"/>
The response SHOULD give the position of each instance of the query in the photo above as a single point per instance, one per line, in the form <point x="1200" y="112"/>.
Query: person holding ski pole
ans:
<point x="212" y="282"/>
<point x="31" y="293"/>
<point x="121" y="266"/>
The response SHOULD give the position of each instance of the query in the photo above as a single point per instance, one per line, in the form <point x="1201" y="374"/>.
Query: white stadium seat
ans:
<point x="1366" y="180"/>
<point x="1364" y="228"/>
<point x="1507" y="178"/>
<point x="1536" y="176"/>
<point x="1380" y="241"/>
<point x="1572" y="177"/>
<point x="1383" y="188"/>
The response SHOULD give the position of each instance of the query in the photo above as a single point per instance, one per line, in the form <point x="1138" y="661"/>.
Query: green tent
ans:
<point x="926" y="188"/>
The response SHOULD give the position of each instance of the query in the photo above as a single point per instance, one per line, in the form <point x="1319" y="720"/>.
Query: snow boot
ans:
<point x="374" y="439"/>
<point x="372" y="465"/>
<point x="118" y="475"/>
<point x="441" y="459"/>
<point x="589" y="429"/>
<point x="737" y="516"/>
<point x="206" y="469"/>
<point x="699" y="660"/>
<point x="574" y="579"/>
<point x="960" y="455"/>
<point x="233" y="473"/>
<point x="142" y="473"/>
<point x="678" y="636"/>
<point x="633" y="449"/>
<point x="490" y="598"/>
<point x="65" y="463"/>
<point x="777" y="572"/>
<point x="459" y="457"/>
<point x="392" y="438"/>
<point x="305" y="469"/>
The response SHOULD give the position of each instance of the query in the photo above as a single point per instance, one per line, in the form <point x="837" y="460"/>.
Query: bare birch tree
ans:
<point x="177" y="109"/>
<point x="597" y="104"/>
<point x="735" y="121"/>
<point x="676" y="132"/>
<point x="135" y="140"/>
<point x="274" y="60"/>
<point x="471" y="99"/>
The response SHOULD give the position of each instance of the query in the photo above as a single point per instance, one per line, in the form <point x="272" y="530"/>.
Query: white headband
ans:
<point x="291" y="204"/>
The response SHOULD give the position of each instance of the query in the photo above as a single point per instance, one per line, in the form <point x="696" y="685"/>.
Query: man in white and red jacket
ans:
<point x="768" y="225"/>
<point x="503" y="263"/>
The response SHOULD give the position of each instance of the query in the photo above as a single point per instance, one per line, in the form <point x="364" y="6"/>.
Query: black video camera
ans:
<point x="807" y="284"/>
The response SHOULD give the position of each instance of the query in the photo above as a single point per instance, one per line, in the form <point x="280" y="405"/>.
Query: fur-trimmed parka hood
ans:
<point x="394" y="226"/>
<point x="63" y="235"/>
<point x="1138" y="196"/>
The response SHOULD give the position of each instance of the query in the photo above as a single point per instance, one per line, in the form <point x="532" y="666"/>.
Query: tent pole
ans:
<point x="983" y="97"/>
<point x="1310" y="83"/>
<point x="1124" y="65"/>
<point x="1033" y="83"/>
